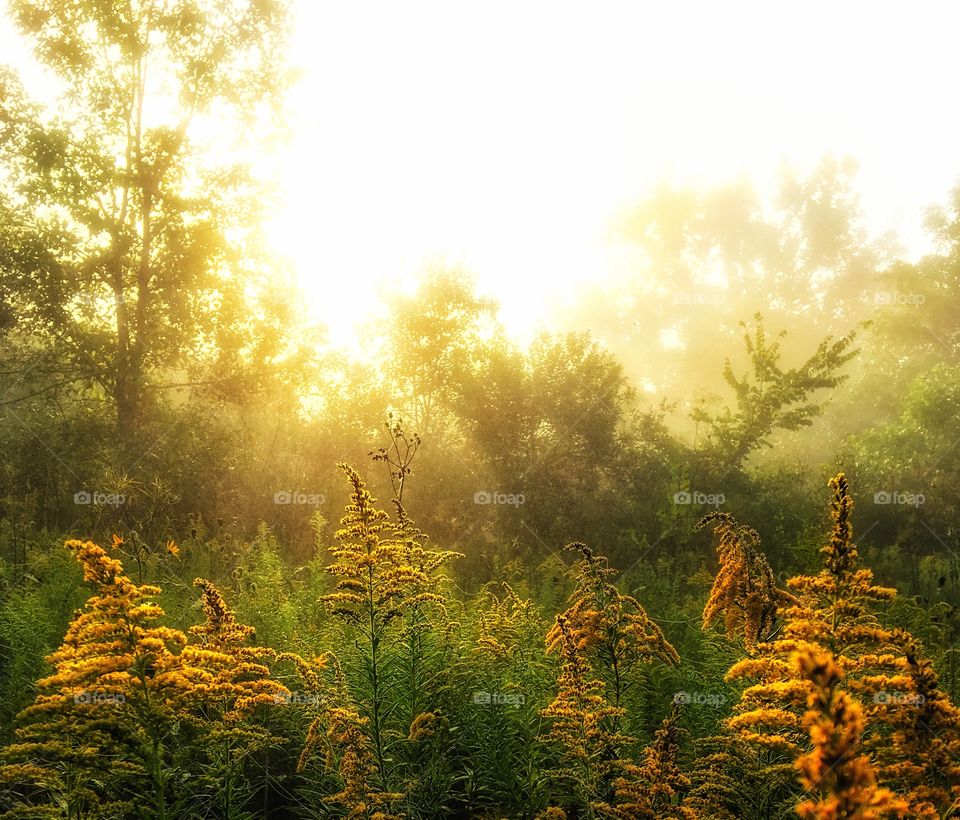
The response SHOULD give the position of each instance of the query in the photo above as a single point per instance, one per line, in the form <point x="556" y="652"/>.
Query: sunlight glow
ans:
<point x="506" y="137"/>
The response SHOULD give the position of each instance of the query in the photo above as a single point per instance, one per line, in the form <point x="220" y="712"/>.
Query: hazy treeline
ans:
<point x="164" y="394"/>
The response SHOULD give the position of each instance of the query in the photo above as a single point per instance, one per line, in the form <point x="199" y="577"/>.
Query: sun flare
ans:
<point x="408" y="147"/>
<point x="429" y="409"/>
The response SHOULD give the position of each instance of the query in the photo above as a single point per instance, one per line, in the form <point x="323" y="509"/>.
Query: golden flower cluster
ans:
<point x="890" y="699"/>
<point x="502" y="622"/>
<point x="744" y="591"/>
<point x="840" y="778"/>
<point x="581" y="721"/>
<point x="921" y="751"/>
<point x="349" y="753"/>
<point x="655" y="789"/>
<point x="222" y="671"/>
<point x="602" y="638"/>
<point x="381" y="568"/>
<point x="602" y="620"/>
<point x="121" y="682"/>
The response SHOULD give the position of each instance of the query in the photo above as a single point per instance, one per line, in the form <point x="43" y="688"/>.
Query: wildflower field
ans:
<point x="509" y="410"/>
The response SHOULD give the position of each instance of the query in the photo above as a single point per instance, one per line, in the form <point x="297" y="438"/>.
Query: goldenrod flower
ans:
<point x="744" y="592"/>
<point x="831" y="631"/>
<point x="841" y="778"/>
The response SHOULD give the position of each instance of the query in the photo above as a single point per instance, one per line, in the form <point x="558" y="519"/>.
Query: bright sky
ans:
<point x="505" y="135"/>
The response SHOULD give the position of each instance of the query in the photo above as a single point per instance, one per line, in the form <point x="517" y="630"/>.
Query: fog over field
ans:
<point x="431" y="410"/>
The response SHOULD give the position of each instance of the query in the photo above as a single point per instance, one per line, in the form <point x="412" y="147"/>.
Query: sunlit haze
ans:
<point x="505" y="137"/>
<point x="497" y="409"/>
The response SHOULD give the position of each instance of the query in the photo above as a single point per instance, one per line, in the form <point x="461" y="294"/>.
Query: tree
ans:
<point x="769" y="397"/>
<point x="560" y="424"/>
<point x="119" y="213"/>
<point x="899" y="456"/>
<point x="702" y="260"/>
<point x="435" y="335"/>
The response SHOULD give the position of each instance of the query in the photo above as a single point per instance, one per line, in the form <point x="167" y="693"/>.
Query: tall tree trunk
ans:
<point x="126" y="377"/>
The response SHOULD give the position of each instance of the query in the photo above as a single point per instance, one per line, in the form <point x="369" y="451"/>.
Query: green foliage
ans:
<point x="114" y="214"/>
<point x="771" y="398"/>
<point x="33" y="617"/>
<point x="151" y="347"/>
<point x="262" y="589"/>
